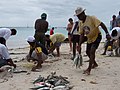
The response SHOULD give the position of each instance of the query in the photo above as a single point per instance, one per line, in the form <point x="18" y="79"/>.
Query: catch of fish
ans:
<point x="52" y="82"/>
<point x="78" y="60"/>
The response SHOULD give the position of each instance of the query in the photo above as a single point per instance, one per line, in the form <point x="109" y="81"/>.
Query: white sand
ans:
<point x="106" y="76"/>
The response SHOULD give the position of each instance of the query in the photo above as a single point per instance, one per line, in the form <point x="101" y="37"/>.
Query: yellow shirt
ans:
<point x="93" y="24"/>
<point x="57" y="38"/>
<point x="37" y="49"/>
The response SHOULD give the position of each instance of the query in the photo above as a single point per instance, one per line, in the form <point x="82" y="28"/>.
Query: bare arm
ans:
<point x="46" y="26"/>
<point x="76" y="24"/>
<point x="105" y="29"/>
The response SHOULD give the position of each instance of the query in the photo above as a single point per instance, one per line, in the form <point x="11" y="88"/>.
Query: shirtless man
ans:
<point x="41" y="27"/>
<point x="69" y="28"/>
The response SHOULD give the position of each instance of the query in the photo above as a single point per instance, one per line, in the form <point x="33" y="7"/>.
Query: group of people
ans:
<point x="84" y="28"/>
<point x="114" y="41"/>
<point x="42" y="44"/>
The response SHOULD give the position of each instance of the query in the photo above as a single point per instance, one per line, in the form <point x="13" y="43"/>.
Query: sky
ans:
<point x="22" y="13"/>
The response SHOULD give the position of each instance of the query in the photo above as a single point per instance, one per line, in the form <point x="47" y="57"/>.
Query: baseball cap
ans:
<point x="30" y="39"/>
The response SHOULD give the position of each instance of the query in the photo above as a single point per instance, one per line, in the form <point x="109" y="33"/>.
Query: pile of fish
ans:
<point x="78" y="60"/>
<point x="52" y="82"/>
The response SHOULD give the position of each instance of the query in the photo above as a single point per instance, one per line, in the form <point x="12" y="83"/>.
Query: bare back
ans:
<point x="41" y="25"/>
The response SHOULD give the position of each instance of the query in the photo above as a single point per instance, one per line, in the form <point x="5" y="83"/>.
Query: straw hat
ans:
<point x="79" y="10"/>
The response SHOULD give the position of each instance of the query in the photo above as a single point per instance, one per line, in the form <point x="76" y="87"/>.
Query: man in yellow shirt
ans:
<point x="56" y="40"/>
<point x="37" y="52"/>
<point x="89" y="31"/>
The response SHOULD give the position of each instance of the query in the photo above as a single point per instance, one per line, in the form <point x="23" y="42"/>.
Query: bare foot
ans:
<point x="86" y="72"/>
<point x="94" y="66"/>
<point x="34" y="68"/>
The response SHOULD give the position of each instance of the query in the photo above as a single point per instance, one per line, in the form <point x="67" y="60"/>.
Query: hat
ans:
<point x="43" y="15"/>
<point x="30" y="39"/>
<point x="79" y="10"/>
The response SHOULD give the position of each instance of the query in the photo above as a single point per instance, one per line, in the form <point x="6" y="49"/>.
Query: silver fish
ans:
<point x="78" y="60"/>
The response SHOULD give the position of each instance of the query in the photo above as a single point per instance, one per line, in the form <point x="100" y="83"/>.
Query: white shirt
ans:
<point x="4" y="52"/>
<point x="118" y="35"/>
<point x="5" y="33"/>
<point x="75" y="32"/>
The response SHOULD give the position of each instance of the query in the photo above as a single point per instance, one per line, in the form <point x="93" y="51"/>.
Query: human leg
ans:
<point x="106" y="46"/>
<point x="57" y="46"/>
<point x="10" y="62"/>
<point x="58" y="51"/>
<point x="70" y="42"/>
<point x="91" y="54"/>
<point x="74" y="49"/>
<point x="40" y="37"/>
<point x="3" y="62"/>
<point x="38" y="59"/>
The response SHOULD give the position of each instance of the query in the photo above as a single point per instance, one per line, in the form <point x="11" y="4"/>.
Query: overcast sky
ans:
<point x="25" y="12"/>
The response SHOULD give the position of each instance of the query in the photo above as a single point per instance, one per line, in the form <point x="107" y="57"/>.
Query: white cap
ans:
<point x="30" y="39"/>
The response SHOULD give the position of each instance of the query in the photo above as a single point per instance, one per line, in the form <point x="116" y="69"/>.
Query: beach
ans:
<point x="104" y="77"/>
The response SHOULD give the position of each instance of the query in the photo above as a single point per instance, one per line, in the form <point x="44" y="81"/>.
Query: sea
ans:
<point x="19" y="40"/>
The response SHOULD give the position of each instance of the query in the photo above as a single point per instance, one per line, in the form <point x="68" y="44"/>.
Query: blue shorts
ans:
<point x="57" y="44"/>
<point x="3" y="62"/>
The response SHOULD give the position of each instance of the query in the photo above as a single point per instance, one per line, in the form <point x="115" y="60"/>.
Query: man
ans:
<point x="56" y="40"/>
<point x="4" y="55"/>
<point x="6" y="33"/>
<point x="75" y="35"/>
<point x="118" y="20"/>
<point x="89" y="26"/>
<point x="113" y="22"/>
<point x="41" y="27"/>
<point x="69" y="28"/>
<point x="115" y="36"/>
<point x="37" y="52"/>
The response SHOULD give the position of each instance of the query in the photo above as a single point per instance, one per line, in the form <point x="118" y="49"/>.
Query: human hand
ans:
<point x="28" y="58"/>
<point x="108" y="36"/>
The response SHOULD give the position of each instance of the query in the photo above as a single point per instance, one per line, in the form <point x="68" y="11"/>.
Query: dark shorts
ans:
<point x="76" y="38"/>
<point x="95" y="44"/>
<point x="57" y="44"/>
<point x="40" y="37"/>
<point x="3" y="62"/>
<point x="108" y="43"/>
<point x="69" y="33"/>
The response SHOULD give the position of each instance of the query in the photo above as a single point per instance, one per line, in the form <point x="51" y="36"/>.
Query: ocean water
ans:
<point x="19" y="40"/>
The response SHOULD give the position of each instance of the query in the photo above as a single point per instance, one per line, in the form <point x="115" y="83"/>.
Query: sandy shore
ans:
<point x="105" y="77"/>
